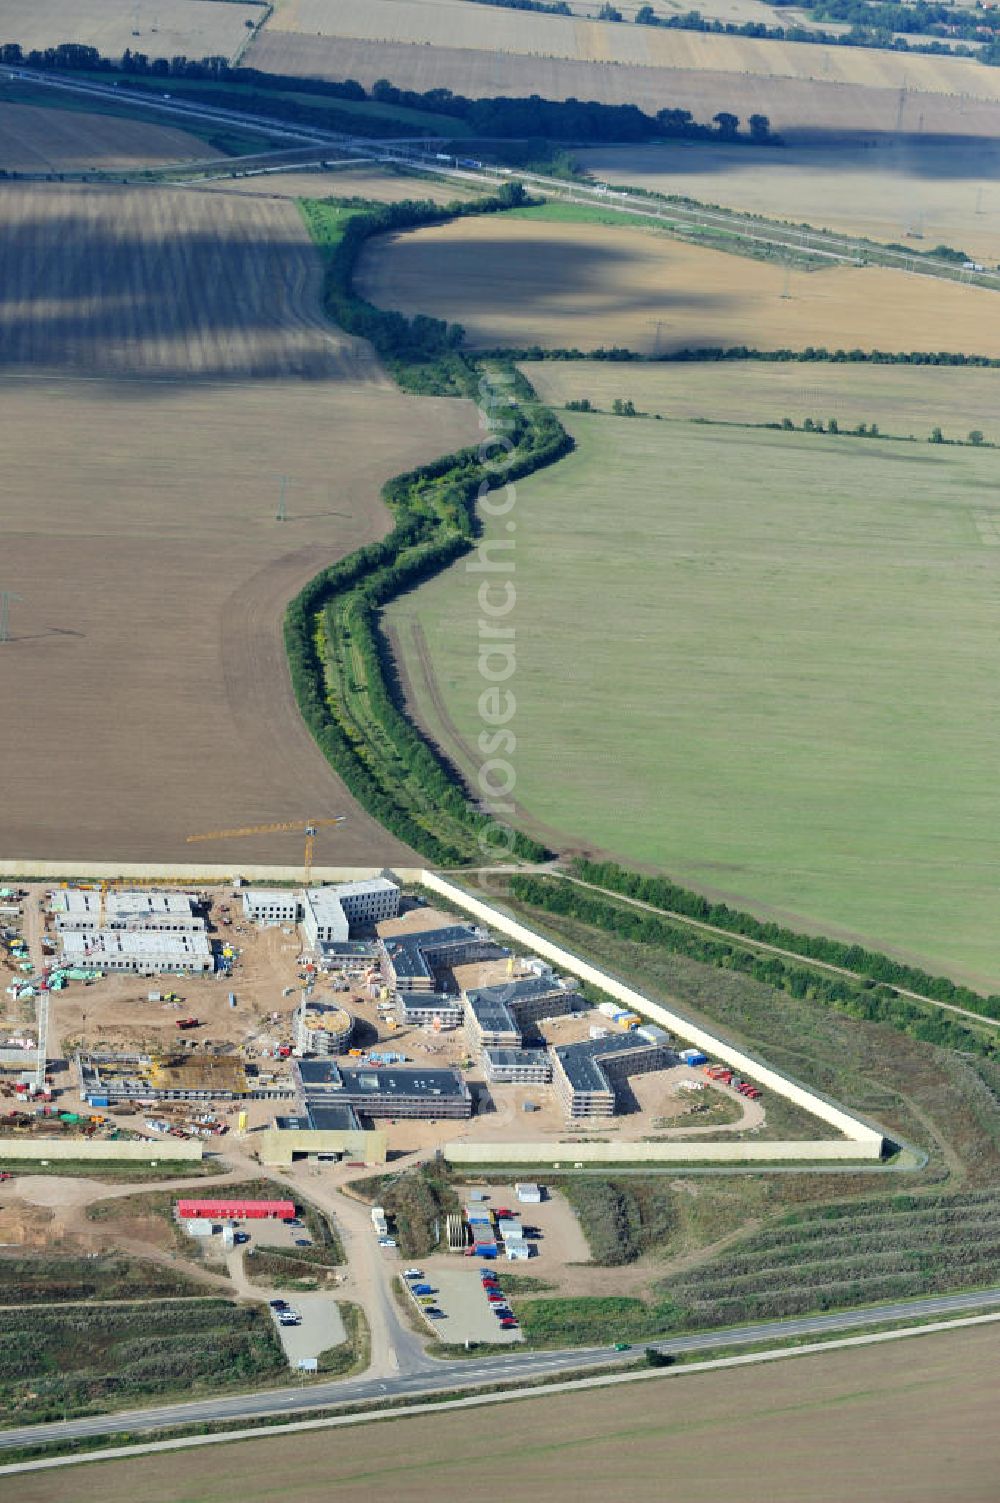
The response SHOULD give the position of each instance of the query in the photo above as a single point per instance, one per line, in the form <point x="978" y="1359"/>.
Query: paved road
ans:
<point x="475" y="1373"/>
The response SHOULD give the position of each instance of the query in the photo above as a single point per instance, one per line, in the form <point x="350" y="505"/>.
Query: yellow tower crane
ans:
<point x="311" y="827"/>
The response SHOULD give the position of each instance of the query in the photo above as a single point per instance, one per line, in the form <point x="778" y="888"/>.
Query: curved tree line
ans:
<point x="341" y="668"/>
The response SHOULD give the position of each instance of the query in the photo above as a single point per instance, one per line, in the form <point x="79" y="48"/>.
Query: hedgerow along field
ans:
<point x="759" y="661"/>
<point x="901" y="400"/>
<point x="538" y="278"/>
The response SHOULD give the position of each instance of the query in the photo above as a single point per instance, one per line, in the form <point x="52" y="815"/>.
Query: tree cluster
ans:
<point x="500" y="117"/>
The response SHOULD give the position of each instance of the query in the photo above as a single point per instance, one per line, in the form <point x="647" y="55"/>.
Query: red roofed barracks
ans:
<point x="234" y="1210"/>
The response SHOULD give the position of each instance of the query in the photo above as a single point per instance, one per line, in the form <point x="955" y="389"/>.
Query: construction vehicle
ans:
<point x="310" y="827"/>
<point x="186" y="1023"/>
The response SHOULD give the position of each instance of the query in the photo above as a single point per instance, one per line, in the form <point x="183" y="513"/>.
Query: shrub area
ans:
<point x="662" y="893"/>
<point x="417" y="1201"/>
<point x="821" y="1258"/>
<point x="877" y="1003"/>
<point x="51" y="1279"/>
<point x="54" y="1363"/>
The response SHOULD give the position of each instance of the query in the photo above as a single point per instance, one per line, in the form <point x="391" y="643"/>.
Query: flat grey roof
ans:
<point x="492" y="1014"/>
<point x="523" y="989"/>
<point x="324" y="1118"/>
<point x="429" y="1001"/>
<point x="510" y="1057"/>
<point x="318" y="1072"/>
<point x="392" y="1082"/>
<point x="408" y="952"/>
<point x="581" y="1062"/>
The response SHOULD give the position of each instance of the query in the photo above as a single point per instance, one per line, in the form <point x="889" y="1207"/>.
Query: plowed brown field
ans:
<point x="35" y="139"/>
<point x="163" y="282"/>
<point x="522" y="282"/>
<point x="146" y="691"/>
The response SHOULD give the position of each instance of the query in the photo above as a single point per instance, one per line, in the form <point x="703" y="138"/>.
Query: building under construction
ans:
<point x="109" y="1079"/>
<point x="140" y="952"/>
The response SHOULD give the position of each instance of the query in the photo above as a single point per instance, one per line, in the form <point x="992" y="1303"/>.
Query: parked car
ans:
<point x="434" y="1314"/>
<point x="413" y="1273"/>
<point x="508" y="1323"/>
<point x="302" y="1242"/>
<point x="279" y="1304"/>
<point x="383" y="1242"/>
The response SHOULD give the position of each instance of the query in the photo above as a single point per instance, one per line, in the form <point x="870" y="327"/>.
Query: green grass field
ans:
<point x="901" y="399"/>
<point x="762" y="662"/>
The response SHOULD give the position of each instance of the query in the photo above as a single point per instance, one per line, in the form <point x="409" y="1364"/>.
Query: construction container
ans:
<point x="693" y="1057"/>
<point x="98" y="1100"/>
<point x="652" y="1034"/>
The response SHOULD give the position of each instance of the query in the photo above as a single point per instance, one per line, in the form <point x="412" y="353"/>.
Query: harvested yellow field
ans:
<point x="903" y="400"/>
<point x="793" y="104"/>
<point x="35" y="139"/>
<point x="895" y="189"/>
<point x="159" y="28"/>
<point x="464" y="24"/>
<point x="521" y="282"/>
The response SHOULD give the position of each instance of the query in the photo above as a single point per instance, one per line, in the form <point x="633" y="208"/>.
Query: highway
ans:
<point x="469" y="1374"/>
<point x="419" y="154"/>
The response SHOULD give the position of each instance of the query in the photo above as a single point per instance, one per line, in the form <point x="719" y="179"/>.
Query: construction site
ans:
<point x="341" y="1021"/>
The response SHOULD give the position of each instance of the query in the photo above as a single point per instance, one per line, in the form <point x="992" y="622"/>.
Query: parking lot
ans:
<point x="321" y="1328"/>
<point x="467" y="1313"/>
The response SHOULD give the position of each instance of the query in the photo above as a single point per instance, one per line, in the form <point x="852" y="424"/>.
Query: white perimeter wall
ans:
<point x="181" y="872"/>
<point x="863" y="1141"/>
<point x="567" y="1155"/>
<point x="86" y="1148"/>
